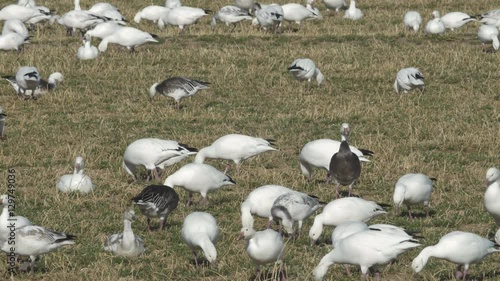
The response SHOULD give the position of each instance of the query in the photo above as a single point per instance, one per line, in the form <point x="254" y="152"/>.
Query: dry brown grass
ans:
<point x="451" y="132"/>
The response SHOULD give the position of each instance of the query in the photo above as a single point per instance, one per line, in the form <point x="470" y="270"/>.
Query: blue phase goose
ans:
<point x="2" y="123"/>
<point x="201" y="231"/>
<point x="125" y="244"/>
<point x="408" y="79"/>
<point x="306" y="70"/>
<point x="345" y="167"/>
<point x="413" y="189"/>
<point x="157" y="201"/>
<point x="230" y="15"/>
<point x="177" y="88"/>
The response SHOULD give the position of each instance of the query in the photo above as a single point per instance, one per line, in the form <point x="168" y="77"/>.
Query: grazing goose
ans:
<point x="76" y="181"/>
<point x="343" y="210"/>
<point x="456" y="19"/>
<point x="102" y="7"/>
<point x="412" y="20"/>
<point x="245" y="4"/>
<point x="125" y="244"/>
<point x="15" y="26"/>
<point x="336" y="5"/>
<point x="108" y="11"/>
<point x="154" y="153"/>
<point x="2" y="123"/>
<point x="318" y="153"/>
<point x="198" y="177"/>
<point x="157" y="201"/>
<point x="172" y="3"/>
<point x="487" y="34"/>
<point x="294" y="207"/>
<point x="235" y="147"/>
<point x="368" y="249"/>
<point x="79" y="19"/>
<point x="200" y="231"/>
<point x="352" y="12"/>
<point x="177" y="88"/>
<point x="435" y="26"/>
<point x="461" y="248"/>
<point x="28" y="79"/>
<point x="182" y="16"/>
<point x="44" y="86"/>
<point x="345" y="167"/>
<point x="129" y="37"/>
<point x="87" y="51"/>
<point x="348" y="228"/>
<point x="269" y="17"/>
<point x="6" y="218"/>
<point x="259" y="202"/>
<point x="413" y="189"/>
<point x="230" y="15"/>
<point x="492" y="194"/>
<point x="408" y="79"/>
<point x="152" y="13"/>
<point x="490" y="18"/>
<point x="297" y="13"/>
<point x="34" y="241"/>
<point x="306" y="70"/>
<point x="104" y="29"/>
<point x="19" y="12"/>
<point x="12" y="41"/>
<point x="265" y="247"/>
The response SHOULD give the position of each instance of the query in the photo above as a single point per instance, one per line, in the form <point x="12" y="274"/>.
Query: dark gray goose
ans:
<point x="157" y="201"/>
<point x="345" y="167"/>
<point x="177" y="88"/>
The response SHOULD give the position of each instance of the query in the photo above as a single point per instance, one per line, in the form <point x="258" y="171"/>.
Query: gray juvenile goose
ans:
<point x="177" y="88"/>
<point x="345" y="167"/>
<point x="157" y="201"/>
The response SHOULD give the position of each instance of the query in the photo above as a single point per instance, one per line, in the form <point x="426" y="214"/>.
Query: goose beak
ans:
<point x="241" y="236"/>
<point x="313" y="242"/>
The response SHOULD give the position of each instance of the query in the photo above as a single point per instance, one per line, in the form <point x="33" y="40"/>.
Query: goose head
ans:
<point x="345" y="131"/>
<point x="129" y="215"/>
<point x="492" y="175"/>
<point x="436" y="14"/>
<point x="246" y="233"/>
<point x="79" y="164"/>
<point x="4" y="199"/>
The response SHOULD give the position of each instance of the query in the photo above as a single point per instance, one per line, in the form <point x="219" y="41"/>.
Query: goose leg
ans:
<point x="409" y="213"/>
<point x="282" y="272"/>
<point x="377" y="275"/>
<point x="149" y="224"/>
<point x="347" y="269"/>
<point x="350" y="190"/>
<point x="32" y="265"/>
<point x="162" y="223"/>
<point x="427" y="211"/>
<point x="228" y="165"/>
<point x="337" y="190"/>
<point x="157" y="176"/>
<point x="195" y="259"/>
<point x="189" y="202"/>
<point x="396" y="210"/>
<point x="178" y="105"/>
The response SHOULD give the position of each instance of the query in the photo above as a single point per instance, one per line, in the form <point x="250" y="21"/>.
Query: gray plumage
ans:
<point x="294" y="207"/>
<point x="157" y="201"/>
<point x="2" y="122"/>
<point x="43" y="87"/>
<point x="345" y="167"/>
<point x="177" y="88"/>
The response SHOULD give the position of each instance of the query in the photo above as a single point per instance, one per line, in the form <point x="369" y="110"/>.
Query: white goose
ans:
<point x="413" y="189"/>
<point x="368" y="249"/>
<point x="12" y="41"/>
<point x="412" y="20"/>
<point x="45" y="85"/>
<point x="129" y="37"/>
<point x="490" y="18"/>
<point x="172" y="3"/>
<point x="456" y="19"/>
<point x="492" y="194"/>
<point x="108" y="11"/>
<point x="157" y="201"/>
<point x="318" y="153"/>
<point x="487" y="34"/>
<point x="152" y="13"/>
<point x="76" y="181"/>
<point x="87" y="51"/>
<point x="297" y="13"/>
<point x="200" y="178"/>
<point x="435" y="26"/>
<point x="269" y="17"/>
<point x="348" y="228"/>
<point x="265" y="247"/>
<point x="201" y="231"/>
<point x="104" y="29"/>
<point x="336" y="5"/>
<point x="6" y="219"/>
<point x="15" y="26"/>
<point x="343" y="210"/>
<point x="2" y="123"/>
<point x="79" y="19"/>
<point x="154" y="153"/>
<point x="461" y="248"/>
<point x="235" y="147"/>
<point x="182" y="16"/>
<point x="497" y="236"/>
<point x="408" y="79"/>
<point x="245" y="4"/>
<point x="352" y="12"/>
<point x="177" y="88"/>
<point x="19" y="12"/>
<point x="230" y="15"/>
<point x="28" y="79"/>
<point x="125" y="244"/>
<point x="306" y="70"/>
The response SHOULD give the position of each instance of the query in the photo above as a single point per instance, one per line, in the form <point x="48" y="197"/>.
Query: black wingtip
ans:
<point x="208" y="12"/>
<point x="366" y="152"/>
<point x="191" y="149"/>
<point x="271" y="141"/>
<point x="434" y="179"/>
<point x="154" y="35"/>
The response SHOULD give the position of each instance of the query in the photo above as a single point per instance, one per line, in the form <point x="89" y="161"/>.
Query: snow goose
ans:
<point x="235" y="147"/>
<point x="12" y="41"/>
<point x="318" y="153"/>
<point x="487" y="34"/>
<point x="78" y="19"/>
<point x="77" y="181"/>
<point x="345" y="167"/>
<point x="34" y="241"/>
<point x="336" y="5"/>
<point x="245" y="4"/>
<point x="102" y="7"/>
<point x="297" y="13"/>
<point x="413" y="189"/>
<point x="87" y="51"/>
<point x="269" y="17"/>
<point x="497" y="236"/>
<point x="183" y="16"/>
<point x="348" y="228"/>
<point x="28" y="79"/>
<point x="177" y="88"/>
<point x="343" y="210"/>
<point x="352" y="12"/>
<point x="154" y="153"/>
<point x="129" y="37"/>
<point x="259" y="202"/>
<point x="230" y="15"/>
<point x="152" y="13"/>
<point x="104" y="29"/>
<point x="172" y="3"/>
<point x="435" y="26"/>
<point x="294" y="207"/>
<point x="412" y="20"/>
<point x="7" y="218"/>
<point x="198" y="177"/>
<point x="368" y="249"/>
<point x="306" y="70"/>
<point x="108" y="11"/>
<point x="490" y="18"/>
<point x="2" y="123"/>
<point x="200" y="231"/>
<point x="157" y="201"/>
<point x="492" y="194"/>
<point x="44" y="86"/>
<point x="125" y="244"/>
<point x="265" y="247"/>
<point x="408" y="79"/>
<point x="461" y="248"/>
<point x="19" y="12"/>
<point x="456" y="19"/>
<point x="15" y="26"/>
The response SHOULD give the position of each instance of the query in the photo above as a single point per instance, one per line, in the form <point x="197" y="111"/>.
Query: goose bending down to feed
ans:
<point x="230" y="15"/>
<point x="152" y="13"/>
<point x="177" y="88"/>
<point x="348" y="228"/>
<point x="435" y="26"/>
<point x="336" y="5"/>
<point x="461" y="248"/>
<point x="201" y="231"/>
<point x="413" y="189"/>
<point x="12" y="41"/>
<point x="78" y="19"/>
<point x="490" y="18"/>
<point x="28" y="79"/>
<point x="492" y="194"/>
<point x="2" y="123"/>
<point x="352" y="12"/>
<point x="368" y="249"/>
<point x="412" y="20"/>
<point x="34" y="241"/>
<point x="6" y="219"/>
<point x="76" y="181"/>
<point x="297" y="13"/>
<point x="108" y="11"/>
<point x="103" y="29"/>
<point x="45" y="85"/>
<point x="125" y="244"/>
<point x="235" y="147"/>
<point x="87" y="51"/>
<point x="198" y="177"/>
<point x="245" y="4"/>
<point x="269" y="17"/>
<point x="154" y="154"/>
<point x="306" y="70"/>
<point x="456" y="20"/>
<point x="15" y="26"/>
<point x="318" y="153"/>
<point x="345" y="167"/>
<point x="182" y="16"/>
<point x="408" y="79"/>
<point x="19" y="12"/>
<point x="128" y="37"/>
<point x="157" y="201"/>
<point x="343" y="210"/>
<point x="487" y="34"/>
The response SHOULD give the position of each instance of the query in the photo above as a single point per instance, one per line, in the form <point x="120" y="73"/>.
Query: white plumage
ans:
<point x="408" y="79"/>
<point x="125" y="244"/>
<point x="12" y="41"/>
<point x="45" y="85"/>
<point x="87" y="51"/>
<point x="201" y="231"/>
<point x="152" y="13"/>
<point x="104" y="29"/>
<point x="6" y="219"/>
<point x="487" y="34"/>
<point x="269" y="16"/>
<point x="352" y="12"/>
<point x="172" y="3"/>
<point x="15" y="26"/>
<point x="412" y="20"/>
<point x="126" y="36"/>
<point x="435" y="26"/>
<point x="265" y="247"/>
<point x="76" y="181"/>
<point x="297" y="13"/>
<point x="306" y="70"/>
<point x="336" y="5"/>
<point x="491" y="17"/>
<point x="182" y="16"/>
<point x="413" y="189"/>
<point x="108" y="11"/>
<point x="230" y="15"/>
<point x="294" y="207"/>
<point x="492" y="194"/>
<point x="245" y="4"/>
<point x="28" y="79"/>
<point x="456" y="19"/>
<point x="19" y="12"/>
<point x="78" y="19"/>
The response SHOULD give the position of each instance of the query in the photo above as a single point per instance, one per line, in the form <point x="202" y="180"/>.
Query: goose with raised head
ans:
<point x="201" y="231"/>
<point x="435" y="26"/>
<point x="79" y="19"/>
<point x="413" y="189"/>
<point x="177" y="88"/>
<point x="345" y="168"/>
<point x="265" y="247"/>
<point x="456" y="19"/>
<point x="489" y="34"/>
<point x="230" y="15"/>
<point x="157" y="201"/>
<point x="76" y="181"/>
<point x="412" y="20"/>
<point x="182" y="16"/>
<point x="306" y="70"/>
<point x="492" y="194"/>
<point x="408" y="79"/>
<point x="352" y="12"/>
<point x="126" y="243"/>
<point x="129" y="37"/>
<point x="87" y="51"/>
<point x="6" y="218"/>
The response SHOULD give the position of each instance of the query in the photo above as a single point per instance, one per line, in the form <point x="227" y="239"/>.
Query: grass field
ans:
<point x="451" y="132"/>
